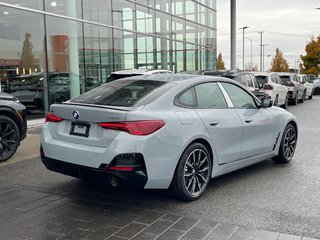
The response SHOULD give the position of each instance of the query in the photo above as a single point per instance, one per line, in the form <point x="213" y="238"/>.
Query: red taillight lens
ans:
<point x="52" y="118"/>
<point x="135" y="128"/>
<point x="290" y="84"/>
<point x="268" y="87"/>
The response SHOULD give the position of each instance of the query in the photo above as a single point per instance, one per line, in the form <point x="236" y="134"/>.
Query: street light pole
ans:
<point x="251" y="62"/>
<point x="263" y="45"/>
<point x="243" y="28"/>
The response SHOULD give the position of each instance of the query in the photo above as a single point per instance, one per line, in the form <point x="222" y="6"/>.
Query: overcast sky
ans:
<point x="287" y="24"/>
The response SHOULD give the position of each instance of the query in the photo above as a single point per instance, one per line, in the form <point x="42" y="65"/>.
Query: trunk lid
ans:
<point x="80" y="123"/>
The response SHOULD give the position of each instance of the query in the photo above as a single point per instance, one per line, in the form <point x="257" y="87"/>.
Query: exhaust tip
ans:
<point x="114" y="182"/>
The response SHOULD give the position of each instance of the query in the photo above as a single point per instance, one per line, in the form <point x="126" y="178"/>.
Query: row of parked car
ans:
<point x="281" y="87"/>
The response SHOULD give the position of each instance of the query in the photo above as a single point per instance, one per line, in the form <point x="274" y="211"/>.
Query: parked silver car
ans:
<point x="316" y="86"/>
<point x="165" y="131"/>
<point x="296" y="91"/>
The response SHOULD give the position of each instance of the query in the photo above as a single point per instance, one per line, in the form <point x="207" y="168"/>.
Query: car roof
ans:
<point x="178" y="78"/>
<point x="141" y="71"/>
<point x="285" y="73"/>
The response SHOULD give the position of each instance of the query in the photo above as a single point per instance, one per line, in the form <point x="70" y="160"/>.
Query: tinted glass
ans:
<point x="285" y="78"/>
<point x="239" y="97"/>
<point x="210" y="96"/>
<point x="186" y="99"/>
<point x="249" y="80"/>
<point x="262" y="79"/>
<point x="126" y="93"/>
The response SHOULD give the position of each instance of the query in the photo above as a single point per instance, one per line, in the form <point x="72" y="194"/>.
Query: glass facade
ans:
<point x="51" y="51"/>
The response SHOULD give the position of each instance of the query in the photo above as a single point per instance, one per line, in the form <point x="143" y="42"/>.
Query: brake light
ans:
<point x="290" y="84"/>
<point x="268" y="87"/>
<point x="135" y="128"/>
<point x="52" y="118"/>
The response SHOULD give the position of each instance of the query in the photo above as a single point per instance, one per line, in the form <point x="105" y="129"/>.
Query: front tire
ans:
<point x="287" y="146"/>
<point x="193" y="173"/>
<point x="9" y="138"/>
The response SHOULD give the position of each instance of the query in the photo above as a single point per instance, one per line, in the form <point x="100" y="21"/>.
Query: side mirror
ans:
<point x="266" y="103"/>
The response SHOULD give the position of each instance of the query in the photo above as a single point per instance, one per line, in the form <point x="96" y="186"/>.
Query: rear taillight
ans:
<point x="290" y="84"/>
<point x="268" y="87"/>
<point x="135" y="128"/>
<point x="52" y="118"/>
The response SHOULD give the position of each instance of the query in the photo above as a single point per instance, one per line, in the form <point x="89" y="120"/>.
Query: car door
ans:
<point x="222" y="123"/>
<point x="258" y="123"/>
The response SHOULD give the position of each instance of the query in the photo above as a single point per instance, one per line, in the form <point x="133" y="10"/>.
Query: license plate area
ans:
<point x="80" y="129"/>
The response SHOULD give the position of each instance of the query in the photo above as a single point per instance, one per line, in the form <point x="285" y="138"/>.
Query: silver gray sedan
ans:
<point x="165" y="131"/>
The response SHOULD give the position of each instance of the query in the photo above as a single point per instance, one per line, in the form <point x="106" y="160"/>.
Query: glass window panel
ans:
<point x="22" y="64"/>
<point x="97" y="11"/>
<point x="164" y="5"/>
<point x="145" y="18"/>
<point x="65" y="57"/>
<point x="123" y="14"/>
<point x="191" y="10"/>
<point x="71" y="8"/>
<point x="35" y="4"/>
<point x="178" y="7"/>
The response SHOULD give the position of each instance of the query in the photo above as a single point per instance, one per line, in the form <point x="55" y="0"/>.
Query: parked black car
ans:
<point x="13" y="125"/>
<point x="247" y="79"/>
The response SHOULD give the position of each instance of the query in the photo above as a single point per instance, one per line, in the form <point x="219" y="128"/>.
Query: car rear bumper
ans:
<point x="132" y="179"/>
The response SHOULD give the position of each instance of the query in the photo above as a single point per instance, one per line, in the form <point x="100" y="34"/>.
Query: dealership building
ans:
<point x="67" y="47"/>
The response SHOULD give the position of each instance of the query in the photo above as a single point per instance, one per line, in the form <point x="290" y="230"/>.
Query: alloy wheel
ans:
<point x="9" y="139"/>
<point x="196" y="172"/>
<point x="289" y="145"/>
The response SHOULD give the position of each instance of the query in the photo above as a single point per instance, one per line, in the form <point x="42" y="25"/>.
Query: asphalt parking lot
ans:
<point x="265" y="201"/>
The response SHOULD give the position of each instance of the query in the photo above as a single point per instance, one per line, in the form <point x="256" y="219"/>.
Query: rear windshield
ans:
<point x="125" y="93"/>
<point x="262" y="79"/>
<point x="285" y="78"/>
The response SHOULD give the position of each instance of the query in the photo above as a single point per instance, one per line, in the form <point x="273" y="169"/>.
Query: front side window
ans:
<point x="239" y="97"/>
<point x="209" y="95"/>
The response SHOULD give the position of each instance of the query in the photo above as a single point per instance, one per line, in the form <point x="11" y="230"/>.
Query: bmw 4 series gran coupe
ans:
<point x="165" y="131"/>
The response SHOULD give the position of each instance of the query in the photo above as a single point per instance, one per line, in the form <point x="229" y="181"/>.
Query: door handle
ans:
<point x="214" y="123"/>
<point x="248" y="120"/>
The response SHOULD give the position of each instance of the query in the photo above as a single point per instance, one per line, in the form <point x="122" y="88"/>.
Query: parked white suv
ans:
<point x="135" y="72"/>
<point x="272" y="84"/>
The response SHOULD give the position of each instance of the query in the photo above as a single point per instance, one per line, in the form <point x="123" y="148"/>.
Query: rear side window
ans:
<point x="186" y="99"/>
<point x="126" y="93"/>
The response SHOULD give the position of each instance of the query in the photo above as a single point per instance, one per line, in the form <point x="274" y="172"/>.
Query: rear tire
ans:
<point x="295" y="100"/>
<point x="317" y="91"/>
<point x="9" y="138"/>
<point x="287" y="146"/>
<point x="192" y="174"/>
<point x="310" y="97"/>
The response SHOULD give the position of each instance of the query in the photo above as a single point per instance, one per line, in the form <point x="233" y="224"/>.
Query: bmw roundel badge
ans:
<point x="75" y="114"/>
